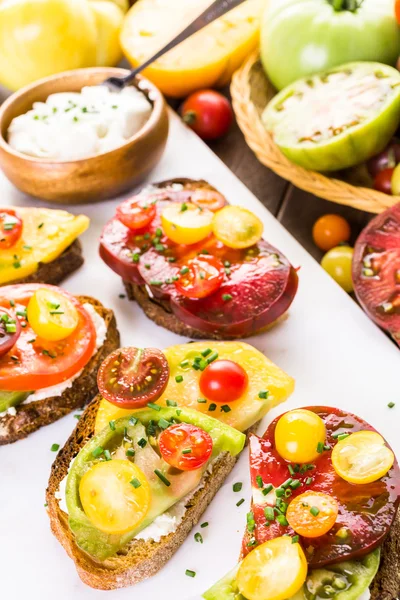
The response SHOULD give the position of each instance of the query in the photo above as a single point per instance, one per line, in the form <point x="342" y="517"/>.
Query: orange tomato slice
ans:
<point x="312" y="514"/>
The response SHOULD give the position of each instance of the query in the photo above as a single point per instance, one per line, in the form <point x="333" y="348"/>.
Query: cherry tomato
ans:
<point x="133" y="377"/>
<point x="386" y="159"/>
<point x="201" y="277"/>
<point x="329" y="231"/>
<point x="297" y="435"/>
<point x="51" y="315"/>
<point x="209" y="199"/>
<point x="223" y="381"/>
<point x="115" y="496"/>
<point x="362" y="458"/>
<point x="208" y="113"/>
<point x="397" y="10"/>
<point x="185" y="447"/>
<point x="10" y="330"/>
<point x="312" y="514"/>
<point x="136" y="212"/>
<point x="10" y="228"/>
<point x="337" y="262"/>
<point x="237" y="227"/>
<point x="186" y="223"/>
<point x="383" y="181"/>
<point x="275" y="570"/>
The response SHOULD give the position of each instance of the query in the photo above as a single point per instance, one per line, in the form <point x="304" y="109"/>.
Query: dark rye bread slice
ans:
<point x="33" y="415"/>
<point x="141" y="559"/>
<point x="56" y="271"/>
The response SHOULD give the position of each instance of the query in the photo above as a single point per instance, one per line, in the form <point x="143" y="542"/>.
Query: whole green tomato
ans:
<point x="302" y="37"/>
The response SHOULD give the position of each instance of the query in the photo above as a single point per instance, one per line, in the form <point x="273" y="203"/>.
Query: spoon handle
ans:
<point x="217" y="9"/>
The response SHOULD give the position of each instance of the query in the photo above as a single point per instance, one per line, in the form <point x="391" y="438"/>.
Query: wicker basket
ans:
<point x="251" y="91"/>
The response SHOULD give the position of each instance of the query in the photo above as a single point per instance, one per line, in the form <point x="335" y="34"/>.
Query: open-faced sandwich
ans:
<point x="51" y="346"/>
<point x="39" y="244"/>
<point x="197" y="265"/>
<point x="149" y="453"/>
<point x="322" y="524"/>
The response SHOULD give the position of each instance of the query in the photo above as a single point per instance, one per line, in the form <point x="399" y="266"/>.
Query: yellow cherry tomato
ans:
<point x="337" y="262"/>
<point x="276" y="570"/>
<point x="297" y="435"/>
<point x="52" y="316"/>
<point x="186" y="223"/>
<point x="115" y="496"/>
<point x="363" y="457"/>
<point x="312" y="514"/>
<point x="237" y="227"/>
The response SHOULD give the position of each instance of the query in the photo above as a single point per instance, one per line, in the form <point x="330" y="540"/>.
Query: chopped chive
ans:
<point x="226" y="297"/>
<point x="320" y="447"/>
<point x="187" y="451"/>
<point x="201" y="400"/>
<point x="391" y="405"/>
<point x="290" y="469"/>
<point x="154" y="406"/>
<point x="77" y="417"/>
<point x="263" y="394"/>
<point x="158" y="232"/>
<point x="97" y="452"/>
<point x="281" y="519"/>
<point x="309" y="480"/>
<point x="184" y="270"/>
<point x="142" y="442"/>
<point x="188" y="572"/>
<point x="163" y="423"/>
<point x="237" y="486"/>
<point x="295" y="484"/>
<point x="286" y="483"/>
<point x="135" y="482"/>
<point x="295" y="539"/>
<point x="11" y="327"/>
<point x="259" y="481"/>
<point x="279" y="492"/>
<point x="162" y="477"/>
<point x="184" y="207"/>
<point x="251" y="524"/>
<point x="156" y="282"/>
<point x="112" y="425"/>
<point x="12" y="303"/>
<point x="198" y="538"/>
<point x="268" y="489"/>
<point x="213" y="356"/>
<point x="206" y="352"/>
<point x="179" y="379"/>
<point x="240" y="502"/>
<point x="225" y="408"/>
<point x="40" y="225"/>
<point x="178" y="412"/>
<point x="314" y="511"/>
<point x="159" y="247"/>
<point x="135" y="257"/>
<point x="184" y="363"/>
<point x="133" y="421"/>
<point x="130" y="452"/>
<point x="172" y="403"/>
<point x="343" y="436"/>
<point x="205" y="524"/>
<point x="55" y="447"/>
<point x="212" y="407"/>
<point x="269" y="513"/>
<point x="327" y="447"/>
<point x="107" y="455"/>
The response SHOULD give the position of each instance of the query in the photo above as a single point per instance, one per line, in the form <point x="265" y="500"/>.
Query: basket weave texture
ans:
<point x="251" y="91"/>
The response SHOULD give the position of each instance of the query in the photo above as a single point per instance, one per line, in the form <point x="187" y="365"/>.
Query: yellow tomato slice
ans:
<point x="186" y="223"/>
<point x="312" y="514"/>
<point x="363" y="457"/>
<point x="52" y="316"/>
<point x="298" y="434"/>
<point x="276" y="570"/>
<point x="237" y="227"/>
<point x="115" y="496"/>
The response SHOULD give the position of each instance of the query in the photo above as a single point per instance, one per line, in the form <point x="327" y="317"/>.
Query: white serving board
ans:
<point x="337" y="356"/>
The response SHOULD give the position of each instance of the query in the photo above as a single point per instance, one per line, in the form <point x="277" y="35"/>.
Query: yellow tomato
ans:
<point x="237" y="227"/>
<point x="109" y="18"/>
<point x="298" y="434"/>
<point x="186" y="223"/>
<point x="312" y="514"/>
<point x="363" y="457"/>
<point x="115" y="496"/>
<point x="276" y="570"/>
<point x="52" y="316"/>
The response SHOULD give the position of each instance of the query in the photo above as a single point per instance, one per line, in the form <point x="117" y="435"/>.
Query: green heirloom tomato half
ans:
<point x="303" y="37"/>
<point x="336" y="119"/>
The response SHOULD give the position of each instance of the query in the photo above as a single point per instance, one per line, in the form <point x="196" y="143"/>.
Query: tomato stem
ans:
<point x="189" y="117"/>
<point x="350" y="5"/>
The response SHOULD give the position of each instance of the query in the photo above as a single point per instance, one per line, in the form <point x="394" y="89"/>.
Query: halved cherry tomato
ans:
<point x="297" y="435"/>
<point x="383" y="181"/>
<point x="201" y="277"/>
<point x="185" y="447"/>
<point x="363" y="457"/>
<point x="115" y="496"/>
<point x="237" y="227"/>
<point x="186" y="223"/>
<point x="330" y="230"/>
<point x="223" y="381"/>
<point x="10" y="330"/>
<point x="10" y="228"/>
<point x="275" y="570"/>
<point x="136" y="212"/>
<point x="133" y="377"/>
<point x="312" y="514"/>
<point x="209" y="199"/>
<point x="51" y="315"/>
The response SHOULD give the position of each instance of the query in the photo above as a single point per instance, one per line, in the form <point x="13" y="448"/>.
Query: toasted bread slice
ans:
<point x="386" y="585"/>
<point x="56" y="271"/>
<point x="31" y="416"/>
<point x="142" y="559"/>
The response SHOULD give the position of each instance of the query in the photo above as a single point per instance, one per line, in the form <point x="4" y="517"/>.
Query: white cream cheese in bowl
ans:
<point x="74" y="125"/>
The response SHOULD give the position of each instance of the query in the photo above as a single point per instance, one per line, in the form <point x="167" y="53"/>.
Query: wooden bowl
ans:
<point x="251" y="91"/>
<point x="90" y="179"/>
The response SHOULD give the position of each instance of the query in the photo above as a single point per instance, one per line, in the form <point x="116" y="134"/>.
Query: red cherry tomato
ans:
<point x="185" y="447"/>
<point x="10" y="228"/>
<point x="223" y="381"/>
<point x="201" y="277"/>
<point x="329" y="231"/>
<point x="10" y="330"/>
<point x="136" y="212"/>
<point x="209" y="199"/>
<point x="208" y="113"/>
<point x="383" y="181"/>
<point x="133" y="377"/>
<point x="387" y="159"/>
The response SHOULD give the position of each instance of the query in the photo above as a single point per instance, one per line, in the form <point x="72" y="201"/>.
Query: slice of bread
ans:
<point x="386" y="585"/>
<point x="141" y="559"/>
<point x="56" y="271"/>
<point x="31" y="416"/>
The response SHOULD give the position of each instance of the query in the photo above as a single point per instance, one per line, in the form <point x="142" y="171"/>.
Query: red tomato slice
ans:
<point x="185" y="447"/>
<point x="33" y="363"/>
<point x="10" y="228"/>
<point x="365" y="512"/>
<point x="201" y="277"/>
<point x="136" y="212"/>
<point x="133" y="377"/>
<point x="223" y="381"/>
<point x="10" y="330"/>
